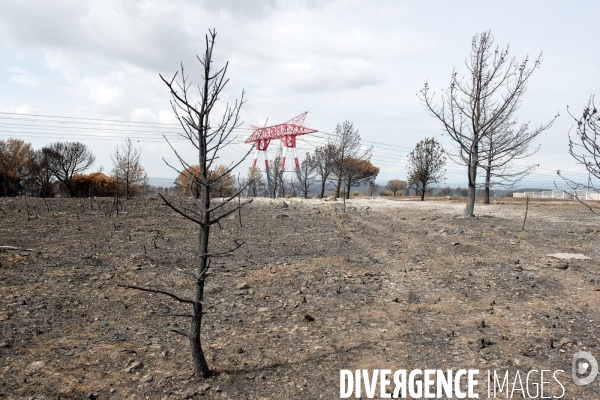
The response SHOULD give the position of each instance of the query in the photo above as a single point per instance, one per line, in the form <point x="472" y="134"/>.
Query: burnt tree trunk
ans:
<point x="471" y="188"/>
<point x="486" y="189"/>
<point x="201" y="368"/>
<point x="488" y="174"/>
<point x="322" y="189"/>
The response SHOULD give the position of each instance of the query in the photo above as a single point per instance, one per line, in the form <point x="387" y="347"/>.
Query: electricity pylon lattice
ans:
<point x="287" y="132"/>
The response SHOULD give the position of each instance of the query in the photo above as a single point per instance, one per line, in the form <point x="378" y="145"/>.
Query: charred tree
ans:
<point x="305" y="176"/>
<point x="473" y="108"/>
<point x="347" y="146"/>
<point x="128" y="168"/>
<point x="209" y="139"/>
<point x="323" y="163"/>
<point x="65" y="159"/>
<point x="584" y="147"/>
<point x="426" y="166"/>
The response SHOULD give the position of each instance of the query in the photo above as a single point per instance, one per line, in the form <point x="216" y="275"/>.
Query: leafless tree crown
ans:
<point x="584" y="147"/>
<point x="208" y="138"/>
<point x="66" y="159"/>
<point x="426" y="166"/>
<point x="483" y="105"/>
<point x="347" y="146"/>
<point x="128" y="169"/>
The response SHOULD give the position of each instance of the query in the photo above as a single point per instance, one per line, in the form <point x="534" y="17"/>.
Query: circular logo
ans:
<point x="584" y="368"/>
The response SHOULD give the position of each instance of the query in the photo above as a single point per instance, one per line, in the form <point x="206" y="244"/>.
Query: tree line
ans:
<point x="57" y="169"/>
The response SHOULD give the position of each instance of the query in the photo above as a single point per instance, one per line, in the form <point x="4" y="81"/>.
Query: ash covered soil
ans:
<point x="387" y="284"/>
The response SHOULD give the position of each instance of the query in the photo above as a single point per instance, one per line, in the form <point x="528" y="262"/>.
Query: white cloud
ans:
<point x="329" y="75"/>
<point x="18" y="110"/>
<point x="21" y="76"/>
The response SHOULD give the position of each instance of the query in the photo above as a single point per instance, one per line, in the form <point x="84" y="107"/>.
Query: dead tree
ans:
<point x="373" y="188"/>
<point x="426" y="166"/>
<point x="473" y="108"/>
<point x="65" y="159"/>
<point x="347" y="146"/>
<point x="305" y="177"/>
<point x="128" y="168"/>
<point x="584" y="147"/>
<point x="209" y="139"/>
<point x="323" y="163"/>
<point x="40" y="178"/>
<point x="275" y="183"/>
<point x="500" y="148"/>
<point x="254" y="182"/>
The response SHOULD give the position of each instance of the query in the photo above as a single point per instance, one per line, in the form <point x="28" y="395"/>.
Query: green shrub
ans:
<point x="386" y="193"/>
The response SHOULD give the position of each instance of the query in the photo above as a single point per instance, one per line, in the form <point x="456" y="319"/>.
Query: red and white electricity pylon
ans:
<point x="287" y="132"/>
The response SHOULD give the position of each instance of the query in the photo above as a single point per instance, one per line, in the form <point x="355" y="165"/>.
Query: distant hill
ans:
<point x="533" y="190"/>
<point x="163" y="182"/>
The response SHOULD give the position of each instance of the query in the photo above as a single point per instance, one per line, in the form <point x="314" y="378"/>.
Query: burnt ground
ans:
<point x="400" y="285"/>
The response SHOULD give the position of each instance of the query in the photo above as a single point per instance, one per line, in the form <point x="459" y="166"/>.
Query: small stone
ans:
<point x="242" y="286"/>
<point x="147" y="378"/>
<point x="204" y="388"/>
<point x="112" y="390"/>
<point x="458" y="231"/>
<point x="36" y="365"/>
<point x="133" y="366"/>
<point x="569" y="256"/>
<point x="188" y="393"/>
<point x="455" y="244"/>
<point x="4" y="345"/>
<point x="4" y="317"/>
<point x="250" y="376"/>
<point x="284" y="205"/>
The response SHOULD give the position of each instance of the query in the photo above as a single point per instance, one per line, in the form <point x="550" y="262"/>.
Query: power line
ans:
<point x="27" y="116"/>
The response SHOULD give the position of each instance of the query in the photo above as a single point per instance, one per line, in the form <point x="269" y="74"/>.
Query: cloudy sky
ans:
<point x="77" y="66"/>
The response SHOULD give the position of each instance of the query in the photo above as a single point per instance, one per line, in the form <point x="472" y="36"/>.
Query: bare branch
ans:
<point x="197" y="221"/>
<point x="181" y="333"/>
<point x="220" y="217"/>
<point x="220" y="254"/>
<point x="159" y="292"/>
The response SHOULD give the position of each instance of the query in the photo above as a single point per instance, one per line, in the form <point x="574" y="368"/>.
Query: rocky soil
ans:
<point x="386" y="284"/>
